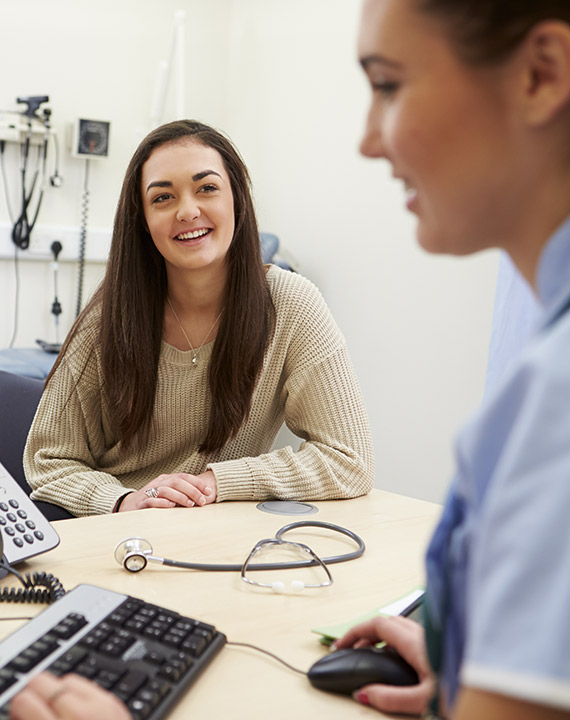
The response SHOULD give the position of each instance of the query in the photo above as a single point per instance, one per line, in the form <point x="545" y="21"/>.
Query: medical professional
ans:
<point x="471" y="107"/>
<point x="173" y="383"/>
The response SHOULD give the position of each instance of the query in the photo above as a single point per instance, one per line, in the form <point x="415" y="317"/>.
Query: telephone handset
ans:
<point x="24" y="530"/>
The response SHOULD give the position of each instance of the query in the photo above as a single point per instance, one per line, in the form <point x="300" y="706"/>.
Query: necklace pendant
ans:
<point x="195" y="359"/>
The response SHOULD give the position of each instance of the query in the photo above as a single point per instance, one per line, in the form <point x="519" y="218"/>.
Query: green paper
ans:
<point x="331" y="633"/>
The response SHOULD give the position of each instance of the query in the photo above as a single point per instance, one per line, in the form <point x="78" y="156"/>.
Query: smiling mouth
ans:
<point x="194" y="234"/>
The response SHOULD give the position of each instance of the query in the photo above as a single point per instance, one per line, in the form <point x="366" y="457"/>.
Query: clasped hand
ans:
<point x="407" y="637"/>
<point x="176" y="489"/>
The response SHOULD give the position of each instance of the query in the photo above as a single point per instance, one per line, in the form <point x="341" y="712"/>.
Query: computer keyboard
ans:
<point x="146" y="655"/>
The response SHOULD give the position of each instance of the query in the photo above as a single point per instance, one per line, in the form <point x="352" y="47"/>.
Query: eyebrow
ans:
<point x="195" y="178"/>
<point x="369" y="60"/>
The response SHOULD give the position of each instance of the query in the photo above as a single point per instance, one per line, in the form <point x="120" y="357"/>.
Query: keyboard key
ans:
<point x="7" y="678"/>
<point x="130" y="684"/>
<point x="139" y="709"/>
<point x="69" y="625"/>
<point x="194" y="644"/>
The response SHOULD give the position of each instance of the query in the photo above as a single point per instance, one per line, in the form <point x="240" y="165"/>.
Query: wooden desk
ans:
<point x="242" y="683"/>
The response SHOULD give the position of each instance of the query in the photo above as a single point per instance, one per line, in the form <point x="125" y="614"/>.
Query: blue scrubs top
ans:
<point x="498" y="603"/>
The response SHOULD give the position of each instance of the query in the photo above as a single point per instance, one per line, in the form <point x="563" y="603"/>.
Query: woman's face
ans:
<point x="447" y="129"/>
<point x="188" y="206"/>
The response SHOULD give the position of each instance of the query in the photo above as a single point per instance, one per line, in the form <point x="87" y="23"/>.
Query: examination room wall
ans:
<point x="283" y="80"/>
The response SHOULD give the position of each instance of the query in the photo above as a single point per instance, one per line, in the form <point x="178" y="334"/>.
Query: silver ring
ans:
<point x="151" y="492"/>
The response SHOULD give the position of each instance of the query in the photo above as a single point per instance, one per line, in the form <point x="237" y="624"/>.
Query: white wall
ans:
<point x="282" y="79"/>
<point x="95" y="60"/>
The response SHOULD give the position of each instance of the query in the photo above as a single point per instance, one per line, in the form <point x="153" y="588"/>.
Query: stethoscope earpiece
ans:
<point x="279" y="587"/>
<point x="133" y="553"/>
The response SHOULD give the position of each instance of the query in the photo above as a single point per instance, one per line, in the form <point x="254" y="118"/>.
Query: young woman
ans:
<point x="175" y="379"/>
<point x="471" y="107"/>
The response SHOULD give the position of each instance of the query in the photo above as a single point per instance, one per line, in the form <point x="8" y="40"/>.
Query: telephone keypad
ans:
<point x="24" y="530"/>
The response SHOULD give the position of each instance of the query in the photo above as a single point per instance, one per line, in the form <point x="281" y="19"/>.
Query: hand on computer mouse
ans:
<point x="407" y="638"/>
<point x="71" y="697"/>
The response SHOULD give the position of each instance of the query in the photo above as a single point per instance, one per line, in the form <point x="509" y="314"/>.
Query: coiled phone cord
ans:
<point x="40" y="587"/>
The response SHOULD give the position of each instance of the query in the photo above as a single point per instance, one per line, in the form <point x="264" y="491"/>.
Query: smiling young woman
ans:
<point x="175" y="379"/>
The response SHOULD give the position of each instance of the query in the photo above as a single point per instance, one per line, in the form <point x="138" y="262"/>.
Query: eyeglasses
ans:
<point x="305" y="557"/>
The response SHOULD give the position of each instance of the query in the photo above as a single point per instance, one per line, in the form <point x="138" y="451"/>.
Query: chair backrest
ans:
<point x="19" y="398"/>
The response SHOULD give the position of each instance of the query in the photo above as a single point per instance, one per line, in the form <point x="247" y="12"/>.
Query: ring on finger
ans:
<point x="151" y="492"/>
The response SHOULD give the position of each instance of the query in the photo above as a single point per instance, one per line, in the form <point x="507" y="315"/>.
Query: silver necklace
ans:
<point x="195" y="351"/>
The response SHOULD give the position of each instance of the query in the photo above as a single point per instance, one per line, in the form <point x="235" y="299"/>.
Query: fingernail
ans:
<point x="190" y="503"/>
<point x="361" y="697"/>
<point x="201" y="500"/>
<point x="334" y="647"/>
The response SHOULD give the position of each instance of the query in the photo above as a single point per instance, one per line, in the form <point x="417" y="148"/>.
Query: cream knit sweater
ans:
<point x="73" y="458"/>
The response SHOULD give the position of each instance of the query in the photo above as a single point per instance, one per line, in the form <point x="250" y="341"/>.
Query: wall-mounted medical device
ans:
<point x="31" y="129"/>
<point x="16" y="126"/>
<point x="90" y="138"/>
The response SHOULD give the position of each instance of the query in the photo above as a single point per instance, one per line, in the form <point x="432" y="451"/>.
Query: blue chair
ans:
<point x="269" y="248"/>
<point x="29" y="362"/>
<point x="19" y="398"/>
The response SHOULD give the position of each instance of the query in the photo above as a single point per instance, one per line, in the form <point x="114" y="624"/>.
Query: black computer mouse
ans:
<point x="345" y="671"/>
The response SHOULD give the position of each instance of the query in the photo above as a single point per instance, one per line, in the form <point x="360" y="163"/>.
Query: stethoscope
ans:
<point x="134" y="553"/>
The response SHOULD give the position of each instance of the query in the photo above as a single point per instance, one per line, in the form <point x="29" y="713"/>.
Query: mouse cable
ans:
<point x="266" y="652"/>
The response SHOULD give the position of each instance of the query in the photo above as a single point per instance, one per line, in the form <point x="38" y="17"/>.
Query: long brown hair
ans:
<point x="133" y="292"/>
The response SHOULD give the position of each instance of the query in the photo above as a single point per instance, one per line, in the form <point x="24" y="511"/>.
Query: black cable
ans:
<point x="20" y="234"/>
<point x="40" y="587"/>
<point x="82" y="237"/>
<point x="266" y="652"/>
<point x="16" y="296"/>
<point x="43" y="181"/>
<point x="22" y="230"/>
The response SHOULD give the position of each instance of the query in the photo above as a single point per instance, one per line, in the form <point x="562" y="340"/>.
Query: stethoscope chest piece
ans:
<point x="133" y="553"/>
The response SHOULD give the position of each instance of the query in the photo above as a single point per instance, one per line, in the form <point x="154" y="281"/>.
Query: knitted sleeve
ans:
<point x="323" y="406"/>
<point x="67" y="434"/>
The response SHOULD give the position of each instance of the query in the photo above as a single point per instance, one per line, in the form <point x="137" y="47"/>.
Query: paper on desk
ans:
<point x="332" y="632"/>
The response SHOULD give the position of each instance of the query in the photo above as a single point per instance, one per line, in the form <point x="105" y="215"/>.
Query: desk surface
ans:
<point x="242" y="683"/>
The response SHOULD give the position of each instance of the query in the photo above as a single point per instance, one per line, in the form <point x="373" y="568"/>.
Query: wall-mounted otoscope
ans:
<point x="29" y="128"/>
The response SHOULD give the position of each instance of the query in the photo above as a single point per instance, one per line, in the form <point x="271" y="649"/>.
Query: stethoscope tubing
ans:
<point x="345" y="557"/>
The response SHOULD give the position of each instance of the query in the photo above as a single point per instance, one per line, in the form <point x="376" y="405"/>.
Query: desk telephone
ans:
<point x="24" y="531"/>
